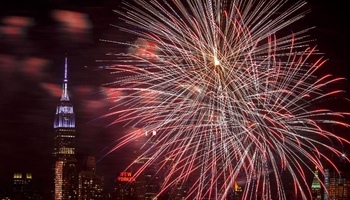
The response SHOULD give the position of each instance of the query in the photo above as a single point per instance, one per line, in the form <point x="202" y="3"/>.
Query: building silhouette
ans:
<point x="125" y="187"/>
<point x="316" y="187"/>
<point x="326" y="184"/>
<point x="22" y="186"/>
<point x="65" y="167"/>
<point x="339" y="182"/>
<point x="90" y="184"/>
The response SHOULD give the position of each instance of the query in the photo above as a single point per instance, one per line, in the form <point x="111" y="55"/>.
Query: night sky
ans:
<point x="36" y="35"/>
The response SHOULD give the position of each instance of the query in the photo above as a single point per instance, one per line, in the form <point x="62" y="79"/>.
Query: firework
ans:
<point x="231" y="97"/>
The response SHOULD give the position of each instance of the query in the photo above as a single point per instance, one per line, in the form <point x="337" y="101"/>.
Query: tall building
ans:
<point x="66" y="177"/>
<point x="326" y="184"/>
<point x="90" y="184"/>
<point x="316" y="187"/>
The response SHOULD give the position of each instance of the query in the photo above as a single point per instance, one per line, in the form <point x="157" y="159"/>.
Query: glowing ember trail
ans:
<point x="230" y="101"/>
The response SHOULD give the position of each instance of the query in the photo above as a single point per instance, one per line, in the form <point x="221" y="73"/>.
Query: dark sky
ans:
<point x="34" y="38"/>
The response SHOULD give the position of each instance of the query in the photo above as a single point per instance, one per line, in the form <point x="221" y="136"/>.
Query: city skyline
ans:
<point x="31" y="105"/>
<point x="31" y="81"/>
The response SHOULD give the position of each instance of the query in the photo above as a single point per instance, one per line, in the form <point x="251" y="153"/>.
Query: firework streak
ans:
<point x="231" y="97"/>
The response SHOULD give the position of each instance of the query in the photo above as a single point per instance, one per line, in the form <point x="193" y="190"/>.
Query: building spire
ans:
<point x="316" y="183"/>
<point x="65" y="96"/>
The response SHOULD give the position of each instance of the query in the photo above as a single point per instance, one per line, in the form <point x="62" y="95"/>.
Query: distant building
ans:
<point x="178" y="191"/>
<point x="326" y="184"/>
<point x="90" y="184"/>
<point x="145" y="187"/>
<point x="125" y="187"/>
<point x="238" y="192"/>
<point x="151" y="181"/>
<point x="66" y="176"/>
<point x="22" y="186"/>
<point x="316" y="187"/>
<point x="5" y="194"/>
<point x="147" y="184"/>
<point x="339" y="182"/>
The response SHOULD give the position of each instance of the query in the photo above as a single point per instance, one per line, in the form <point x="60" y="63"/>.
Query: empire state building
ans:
<point x="66" y="176"/>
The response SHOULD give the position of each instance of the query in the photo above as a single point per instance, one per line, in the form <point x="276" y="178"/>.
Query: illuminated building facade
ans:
<point x="339" y="183"/>
<point x="125" y="187"/>
<point x="66" y="177"/>
<point x="316" y="187"/>
<point x="237" y="192"/>
<point x="147" y="184"/>
<point x="22" y="186"/>
<point x="90" y="184"/>
<point x="326" y="184"/>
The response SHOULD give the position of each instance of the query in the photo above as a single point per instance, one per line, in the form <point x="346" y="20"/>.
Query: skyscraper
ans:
<point x="66" y="177"/>
<point x="316" y="187"/>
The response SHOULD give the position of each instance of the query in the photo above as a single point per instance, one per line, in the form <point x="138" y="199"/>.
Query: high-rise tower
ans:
<point x="66" y="177"/>
<point x="316" y="187"/>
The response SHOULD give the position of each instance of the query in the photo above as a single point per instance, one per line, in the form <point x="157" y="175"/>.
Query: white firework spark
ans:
<point x="229" y="100"/>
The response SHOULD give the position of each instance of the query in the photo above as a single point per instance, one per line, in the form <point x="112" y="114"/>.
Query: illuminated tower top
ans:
<point x="64" y="117"/>
<point x="316" y="183"/>
<point x="316" y="187"/>
<point x="65" y="96"/>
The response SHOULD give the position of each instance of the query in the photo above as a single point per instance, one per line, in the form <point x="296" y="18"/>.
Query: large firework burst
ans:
<point x="230" y="100"/>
